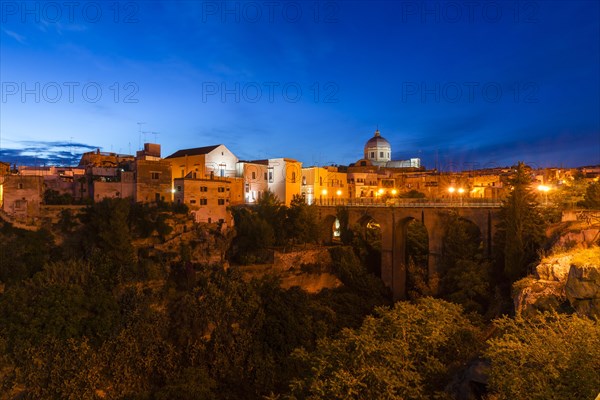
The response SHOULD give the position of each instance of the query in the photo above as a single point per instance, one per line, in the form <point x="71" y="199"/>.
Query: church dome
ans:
<point x="377" y="140"/>
<point x="378" y="150"/>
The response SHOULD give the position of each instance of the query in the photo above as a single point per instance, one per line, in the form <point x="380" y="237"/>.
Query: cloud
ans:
<point x="19" y="38"/>
<point x="36" y="153"/>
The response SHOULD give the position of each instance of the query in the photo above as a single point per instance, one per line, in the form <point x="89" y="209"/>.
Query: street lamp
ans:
<point x="451" y="190"/>
<point x="380" y="192"/>
<point x="339" y="193"/>
<point x="544" y="189"/>
<point x="460" y="192"/>
<point x="323" y="193"/>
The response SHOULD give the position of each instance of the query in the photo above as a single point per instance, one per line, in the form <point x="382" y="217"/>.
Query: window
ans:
<point x="271" y="176"/>
<point x="191" y="201"/>
<point x="221" y="221"/>
<point x="253" y="175"/>
<point x="221" y="189"/>
<point x="179" y="188"/>
<point x="182" y="173"/>
<point x="203" y="189"/>
<point x="155" y="176"/>
<point x="20" y="186"/>
<point x="303" y="181"/>
<point x="320" y="181"/>
<point x="293" y="177"/>
<point x="372" y="154"/>
<point x="381" y="154"/>
<point x="265" y="176"/>
<point x="221" y="202"/>
<point x="203" y="202"/>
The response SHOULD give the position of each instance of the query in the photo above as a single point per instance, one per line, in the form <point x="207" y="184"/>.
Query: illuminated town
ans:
<point x="209" y="179"/>
<point x="289" y="200"/>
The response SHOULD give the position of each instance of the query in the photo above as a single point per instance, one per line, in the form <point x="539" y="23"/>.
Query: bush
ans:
<point x="550" y="356"/>
<point x="409" y="351"/>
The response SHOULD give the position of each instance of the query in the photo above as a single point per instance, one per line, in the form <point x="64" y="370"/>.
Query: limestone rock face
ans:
<point x="555" y="269"/>
<point x="538" y="295"/>
<point x="583" y="289"/>
<point x="559" y="279"/>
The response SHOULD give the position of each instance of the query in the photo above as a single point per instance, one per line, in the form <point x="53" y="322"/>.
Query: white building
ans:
<point x="255" y="175"/>
<point x="203" y="162"/>
<point x="378" y="152"/>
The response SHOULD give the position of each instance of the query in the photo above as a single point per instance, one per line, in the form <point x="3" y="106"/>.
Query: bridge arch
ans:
<point x="393" y="225"/>
<point x="327" y="228"/>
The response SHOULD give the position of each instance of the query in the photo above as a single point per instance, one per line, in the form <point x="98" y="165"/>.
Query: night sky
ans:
<point x="462" y="85"/>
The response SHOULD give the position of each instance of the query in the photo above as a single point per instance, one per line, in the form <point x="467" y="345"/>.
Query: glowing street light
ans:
<point x="339" y="193"/>
<point x="323" y="193"/>
<point x="544" y="189"/>
<point x="394" y="192"/>
<point x="460" y="192"/>
<point x="451" y="190"/>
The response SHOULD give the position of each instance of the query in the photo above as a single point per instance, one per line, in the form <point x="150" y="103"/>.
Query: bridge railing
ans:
<point x="412" y="203"/>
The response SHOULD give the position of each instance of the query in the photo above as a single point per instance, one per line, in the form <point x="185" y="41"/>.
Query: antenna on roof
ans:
<point x="140" y="134"/>
<point x="155" y="133"/>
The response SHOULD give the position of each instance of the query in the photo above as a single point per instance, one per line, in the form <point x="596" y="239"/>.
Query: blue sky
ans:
<point x="459" y="84"/>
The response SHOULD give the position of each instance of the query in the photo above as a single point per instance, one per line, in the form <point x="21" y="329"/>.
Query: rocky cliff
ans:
<point x="569" y="279"/>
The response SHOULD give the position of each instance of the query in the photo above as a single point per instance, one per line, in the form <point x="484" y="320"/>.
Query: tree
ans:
<point x="466" y="276"/>
<point x="592" y="196"/>
<point x="343" y="216"/>
<point x="520" y="233"/>
<point x="28" y="251"/>
<point x="270" y="209"/>
<point x="551" y="356"/>
<point x="301" y="222"/>
<point x="253" y="236"/>
<point x="68" y="369"/>
<point x="106" y="228"/>
<point x="52" y="197"/>
<point x="409" y="351"/>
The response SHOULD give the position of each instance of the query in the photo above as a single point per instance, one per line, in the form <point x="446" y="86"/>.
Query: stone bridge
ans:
<point x="393" y="222"/>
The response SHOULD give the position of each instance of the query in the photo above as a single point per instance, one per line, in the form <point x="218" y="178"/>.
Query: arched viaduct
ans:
<point x="393" y="222"/>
